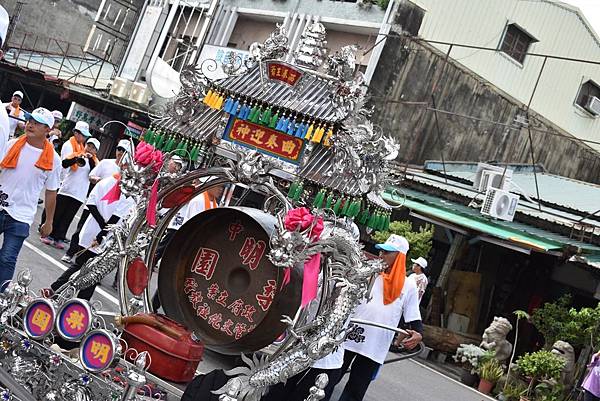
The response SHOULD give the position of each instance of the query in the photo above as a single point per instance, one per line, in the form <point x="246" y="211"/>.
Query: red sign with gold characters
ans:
<point x="283" y="72"/>
<point x="267" y="140"/>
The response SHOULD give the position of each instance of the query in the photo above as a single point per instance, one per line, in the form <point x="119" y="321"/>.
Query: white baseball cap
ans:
<point x="394" y="243"/>
<point x="125" y="144"/>
<point x="94" y="142"/>
<point x="4" y="21"/>
<point x="57" y="115"/>
<point x="81" y="126"/>
<point x="420" y="261"/>
<point x="43" y="116"/>
<point x="18" y="93"/>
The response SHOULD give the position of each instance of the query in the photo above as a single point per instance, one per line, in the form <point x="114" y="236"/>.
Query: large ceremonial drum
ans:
<point x="215" y="278"/>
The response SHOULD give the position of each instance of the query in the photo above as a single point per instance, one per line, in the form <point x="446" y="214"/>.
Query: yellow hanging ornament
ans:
<point x="219" y="102"/>
<point x="207" y="98"/>
<point x="309" y="132"/>
<point x="318" y="135"/>
<point x="326" y="141"/>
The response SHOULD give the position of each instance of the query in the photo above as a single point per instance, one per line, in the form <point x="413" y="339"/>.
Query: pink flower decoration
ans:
<point x="301" y="218"/>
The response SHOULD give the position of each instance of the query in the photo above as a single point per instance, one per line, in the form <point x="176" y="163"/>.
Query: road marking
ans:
<point x="451" y="379"/>
<point x="62" y="267"/>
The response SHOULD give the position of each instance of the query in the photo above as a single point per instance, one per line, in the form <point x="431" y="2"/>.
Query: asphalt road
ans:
<point x="405" y="380"/>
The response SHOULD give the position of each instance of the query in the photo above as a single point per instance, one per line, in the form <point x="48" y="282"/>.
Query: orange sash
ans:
<point x="45" y="161"/>
<point x="209" y="203"/>
<point x="78" y="150"/>
<point x="393" y="282"/>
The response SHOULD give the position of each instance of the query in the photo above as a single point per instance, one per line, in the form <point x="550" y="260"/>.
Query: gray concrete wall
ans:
<point x="323" y="8"/>
<point x="407" y="72"/>
<point x="67" y="20"/>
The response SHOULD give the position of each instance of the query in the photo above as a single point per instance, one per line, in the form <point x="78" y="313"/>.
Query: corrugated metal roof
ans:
<point x="561" y="191"/>
<point x="528" y="208"/>
<point x="519" y="233"/>
<point x="313" y="98"/>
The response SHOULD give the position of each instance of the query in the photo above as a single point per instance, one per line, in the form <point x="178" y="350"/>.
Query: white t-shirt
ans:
<point x="421" y="282"/>
<point x="105" y="168"/>
<point x="12" y="122"/>
<point x="196" y="205"/>
<point x="120" y="208"/>
<point x="4" y="132"/>
<point x="76" y="182"/>
<point x="20" y="187"/>
<point x="374" y="342"/>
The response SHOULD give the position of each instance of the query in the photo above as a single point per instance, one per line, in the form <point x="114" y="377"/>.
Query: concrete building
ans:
<point x="514" y="28"/>
<point x="170" y="32"/>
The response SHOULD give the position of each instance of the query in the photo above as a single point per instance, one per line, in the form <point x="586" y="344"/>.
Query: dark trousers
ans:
<point x="66" y="209"/>
<point x="13" y="233"/>
<point x="86" y="293"/>
<point x="587" y="396"/>
<point x="160" y="250"/>
<point x="74" y="246"/>
<point x="297" y="387"/>
<point x="361" y="374"/>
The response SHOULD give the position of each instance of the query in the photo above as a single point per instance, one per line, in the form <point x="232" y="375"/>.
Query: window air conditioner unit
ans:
<point x="593" y="105"/>
<point x="489" y="175"/>
<point x="500" y="204"/>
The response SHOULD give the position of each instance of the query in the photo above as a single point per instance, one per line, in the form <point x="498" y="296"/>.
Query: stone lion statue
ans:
<point x="565" y="351"/>
<point x="494" y="338"/>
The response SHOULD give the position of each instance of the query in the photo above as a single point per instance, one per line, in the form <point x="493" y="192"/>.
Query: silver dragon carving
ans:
<point x="347" y="270"/>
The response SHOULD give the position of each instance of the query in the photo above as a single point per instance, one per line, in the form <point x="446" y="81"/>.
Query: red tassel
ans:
<point x="152" y="202"/>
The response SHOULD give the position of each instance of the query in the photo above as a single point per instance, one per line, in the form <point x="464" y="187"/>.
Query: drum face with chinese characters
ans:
<point x="215" y="278"/>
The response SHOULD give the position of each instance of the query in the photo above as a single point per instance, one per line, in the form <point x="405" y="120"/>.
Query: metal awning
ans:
<point x="514" y="235"/>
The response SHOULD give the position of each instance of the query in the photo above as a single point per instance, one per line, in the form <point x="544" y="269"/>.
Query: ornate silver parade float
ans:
<point x="290" y="127"/>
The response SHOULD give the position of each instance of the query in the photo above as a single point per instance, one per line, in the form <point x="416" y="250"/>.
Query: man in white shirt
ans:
<point x="73" y="191"/>
<point x="103" y="213"/>
<point x="109" y="167"/>
<point x="16" y="117"/>
<point x="29" y="165"/>
<point x="105" y="168"/>
<point x="367" y="346"/>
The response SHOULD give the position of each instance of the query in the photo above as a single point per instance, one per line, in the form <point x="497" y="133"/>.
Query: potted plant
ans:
<point x="539" y="366"/>
<point x="468" y="356"/>
<point x="490" y="372"/>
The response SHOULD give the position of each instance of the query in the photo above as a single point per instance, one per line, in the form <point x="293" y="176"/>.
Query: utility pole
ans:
<point x="13" y="23"/>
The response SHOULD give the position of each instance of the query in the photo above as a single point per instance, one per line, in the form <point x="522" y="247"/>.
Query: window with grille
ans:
<point x="587" y="90"/>
<point x="516" y="42"/>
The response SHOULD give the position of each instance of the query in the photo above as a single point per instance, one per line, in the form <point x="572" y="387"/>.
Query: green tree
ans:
<point x="559" y="321"/>
<point x="420" y="241"/>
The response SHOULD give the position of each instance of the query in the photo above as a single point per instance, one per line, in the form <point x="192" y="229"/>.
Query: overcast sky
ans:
<point x="591" y="10"/>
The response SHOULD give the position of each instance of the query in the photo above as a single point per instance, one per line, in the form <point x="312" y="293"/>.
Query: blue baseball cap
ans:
<point x="394" y="243"/>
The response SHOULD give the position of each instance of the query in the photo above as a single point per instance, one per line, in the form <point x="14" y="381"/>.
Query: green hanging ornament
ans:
<point x="363" y="217"/>
<point x="357" y="209"/>
<point x="265" y="118"/>
<point x="159" y="140"/>
<point x="371" y="221"/>
<point x="148" y="135"/>
<point x="273" y="122"/>
<point x="337" y="206"/>
<point x="319" y="198"/>
<point x="381" y="221"/>
<point x="193" y="153"/>
<point x="329" y="201"/>
<point x="386" y="226"/>
<point x="256" y="117"/>
<point x="299" y="191"/>
<point x="292" y="191"/>
<point x="183" y="152"/>
<point x="346" y="206"/>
